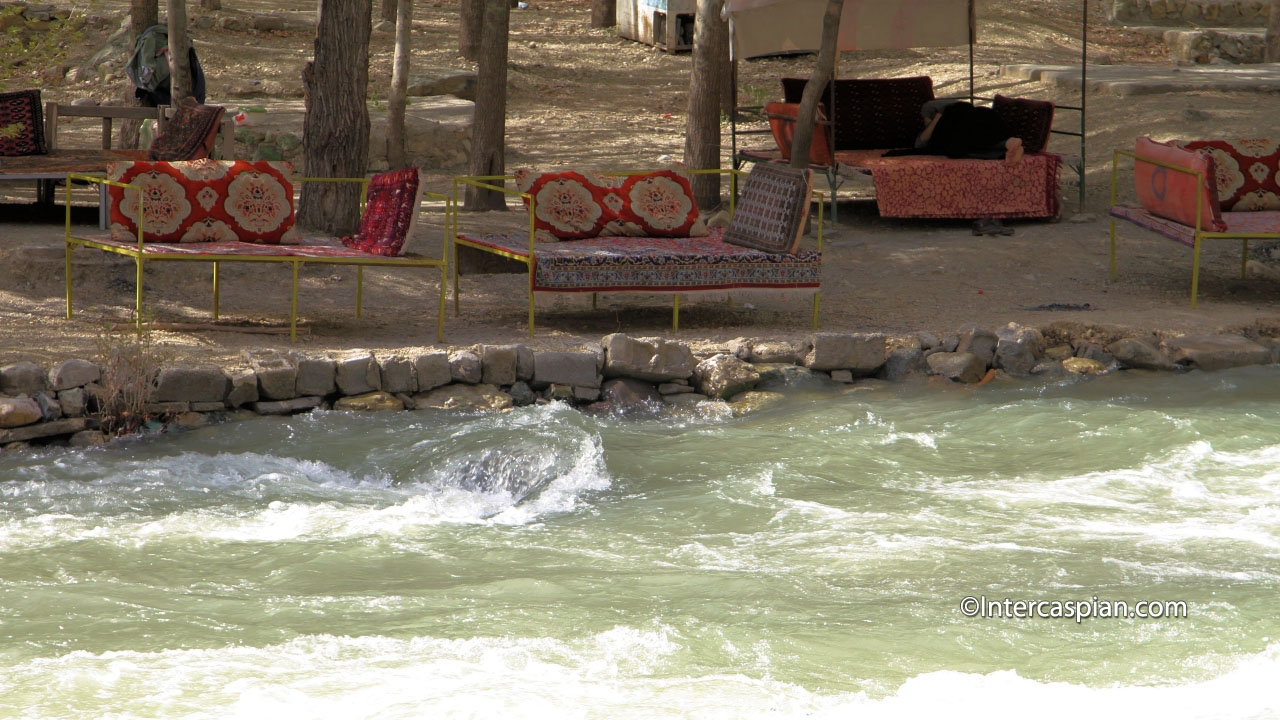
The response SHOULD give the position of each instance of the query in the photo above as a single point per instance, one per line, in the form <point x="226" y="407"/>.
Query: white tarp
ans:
<point x="764" y="27"/>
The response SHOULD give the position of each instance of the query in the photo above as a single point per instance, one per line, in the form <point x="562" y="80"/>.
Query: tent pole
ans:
<point x="1084" y="73"/>
<point x="973" y="36"/>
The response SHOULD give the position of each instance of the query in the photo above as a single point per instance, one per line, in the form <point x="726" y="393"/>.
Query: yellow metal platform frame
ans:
<point x="141" y="257"/>
<point x="1199" y="235"/>
<point x="486" y="182"/>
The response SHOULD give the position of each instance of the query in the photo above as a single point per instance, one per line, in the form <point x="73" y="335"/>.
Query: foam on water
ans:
<point x="623" y="672"/>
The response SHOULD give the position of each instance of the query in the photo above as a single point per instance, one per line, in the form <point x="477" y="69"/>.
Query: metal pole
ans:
<point x="973" y="36"/>
<point x="1084" y="65"/>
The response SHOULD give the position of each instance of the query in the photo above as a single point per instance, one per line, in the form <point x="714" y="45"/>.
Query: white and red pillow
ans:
<point x="572" y="205"/>
<point x="205" y="201"/>
<point x="660" y="204"/>
<point x="1248" y="172"/>
<point x="567" y="205"/>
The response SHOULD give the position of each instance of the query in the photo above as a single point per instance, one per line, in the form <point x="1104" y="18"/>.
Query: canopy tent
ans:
<point x="771" y="27"/>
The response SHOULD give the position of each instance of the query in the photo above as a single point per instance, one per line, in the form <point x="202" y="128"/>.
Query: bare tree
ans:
<point x="398" y="101"/>
<point x="488" y="132"/>
<point x="604" y="13"/>
<point x="823" y="73"/>
<point x="1272" y="52"/>
<point x="335" y="128"/>
<point x="142" y="15"/>
<point x="179" y="60"/>
<point x="706" y="87"/>
<point x="470" y="25"/>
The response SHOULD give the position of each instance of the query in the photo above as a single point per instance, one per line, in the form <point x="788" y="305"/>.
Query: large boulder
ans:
<point x="19" y="411"/>
<point x="464" y="397"/>
<point x="576" y="369"/>
<point x="1083" y="366"/>
<point x="1018" y="349"/>
<point x="651" y="359"/>
<point x="1135" y="352"/>
<point x="244" y="388"/>
<point x="793" y="378"/>
<point x="22" y="378"/>
<point x="277" y="374"/>
<point x="358" y="374"/>
<point x="860" y="353"/>
<point x="397" y="375"/>
<point x="499" y="364"/>
<point x="979" y="342"/>
<point x="958" y="366"/>
<point x="722" y="376"/>
<point x="465" y="367"/>
<point x="1216" y="352"/>
<point x="73" y="373"/>
<point x="432" y="370"/>
<point x="195" y="383"/>
<point x="73" y="401"/>
<point x="316" y="376"/>
<point x="903" y="362"/>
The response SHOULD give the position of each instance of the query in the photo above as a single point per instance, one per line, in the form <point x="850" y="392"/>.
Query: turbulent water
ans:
<point x="806" y="561"/>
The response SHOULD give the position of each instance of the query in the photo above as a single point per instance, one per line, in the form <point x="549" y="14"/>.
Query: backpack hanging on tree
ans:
<point x="148" y="68"/>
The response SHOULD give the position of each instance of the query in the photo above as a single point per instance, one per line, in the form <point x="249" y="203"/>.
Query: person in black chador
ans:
<point x="957" y="129"/>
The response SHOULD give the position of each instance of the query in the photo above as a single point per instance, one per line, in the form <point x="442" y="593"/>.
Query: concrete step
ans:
<point x="1173" y="13"/>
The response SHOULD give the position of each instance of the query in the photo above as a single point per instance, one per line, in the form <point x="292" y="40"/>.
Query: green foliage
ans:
<point x="27" y="49"/>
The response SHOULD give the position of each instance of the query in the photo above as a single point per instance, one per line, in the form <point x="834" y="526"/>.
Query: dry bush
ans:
<point x="130" y="363"/>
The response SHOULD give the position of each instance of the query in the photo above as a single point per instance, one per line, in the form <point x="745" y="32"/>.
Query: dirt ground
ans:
<point x="585" y="97"/>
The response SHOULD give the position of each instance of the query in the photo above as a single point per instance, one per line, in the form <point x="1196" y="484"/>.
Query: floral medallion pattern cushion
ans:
<point x="567" y="205"/>
<point x="21" y="124"/>
<point x="660" y="204"/>
<point x="390" y="212"/>
<point x="204" y="201"/>
<point x="1172" y="194"/>
<point x="1247" y="172"/>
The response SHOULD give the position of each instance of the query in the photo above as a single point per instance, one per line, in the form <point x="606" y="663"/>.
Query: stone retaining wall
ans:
<point x="1205" y="13"/>
<point x="57" y="405"/>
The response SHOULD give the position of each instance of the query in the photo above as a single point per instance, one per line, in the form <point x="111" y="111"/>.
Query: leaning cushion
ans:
<point x="782" y="122"/>
<point x="390" y="212"/>
<point x="205" y="200"/>
<point x="1175" y="195"/>
<point x="772" y="209"/>
<point x="21" y="124"/>
<point x="659" y="204"/>
<point x="190" y="134"/>
<point x="567" y="205"/>
<point x="1246" y="172"/>
<point x="1029" y="120"/>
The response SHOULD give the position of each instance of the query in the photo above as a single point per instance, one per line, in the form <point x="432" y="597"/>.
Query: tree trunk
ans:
<point x="390" y="11"/>
<point x="335" y="128"/>
<point x="489" y="130"/>
<point x="399" y="87"/>
<point x="469" y="28"/>
<point x="179" y="61"/>
<point x="604" y="13"/>
<point x="706" y="89"/>
<point x="1272" y="50"/>
<point x="142" y="15"/>
<point x="823" y="72"/>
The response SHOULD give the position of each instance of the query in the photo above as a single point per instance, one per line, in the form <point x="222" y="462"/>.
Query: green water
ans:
<point x="806" y="561"/>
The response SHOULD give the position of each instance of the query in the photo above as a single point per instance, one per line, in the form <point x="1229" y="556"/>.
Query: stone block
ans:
<point x="19" y="411"/>
<point x="902" y="363"/>
<point x="316" y="376"/>
<point x="87" y="438"/>
<point x="628" y="393"/>
<point x="207" y="407"/>
<point x="192" y="383"/>
<point x="1083" y="366"/>
<point x="443" y="81"/>
<point x="565" y="368"/>
<point x="499" y="364"/>
<point x="842" y="376"/>
<point x="73" y="402"/>
<point x="1094" y="351"/>
<point x="979" y="342"/>
<point x="169" y="407"/>
<point x="651" y="359"/>
<point x="774" y="352"/>
<point x="673" y="389"/>
<point x="1140" y="353"/>
<point x="22" y="378"/>
<point x="860" y="353"/>
<point x="190" y="420"/>
<point x="397" y="375"/>
<point x="961" y="367"/>
<point x="465" y="367"/>
<point x="586" y="394"/>
<point x="358" y="374"/>
<point x="781" y="377"/>
<point x="244" y="388"/>
<point x="25" y="433"/>
<point x="722" y="376"/>
<point x="380" y="401"/>
<point x="49" y="407"/>
<point x="286" y="407"/>
<point x="1018" y="349"/>
<point x="432" y="370"/>
<point x="73" y="373"/>
<point x="464" y="397"/>
<point x="277" y="374"/>
<point x="524" y="363"/>
<point x="522" y="394"/>
<point x="1216" y="352"/>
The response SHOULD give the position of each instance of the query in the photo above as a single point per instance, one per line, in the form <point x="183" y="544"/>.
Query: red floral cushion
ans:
<point x="782" y="121"/>
<point x="1246" y="172"/>
<point x="390" y="212"/>
<point x="205" y="200"/>
<point x="21" y="124"/>
<point x="567" y="205"/>
<point x="659" y="204"/>
<point x="1174" y="195"/>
